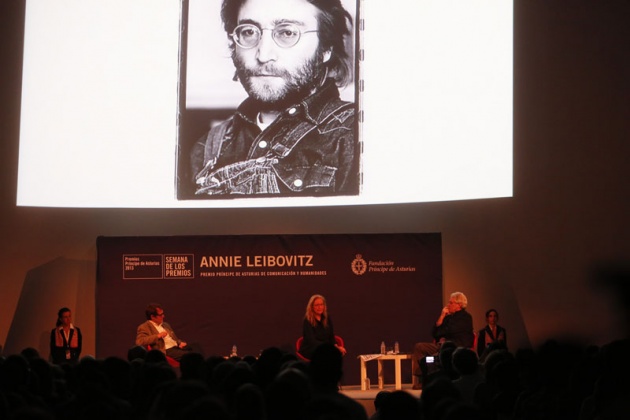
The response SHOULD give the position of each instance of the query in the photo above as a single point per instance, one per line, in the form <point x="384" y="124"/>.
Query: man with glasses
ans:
<point x="293" y="135"/>
<point x="158" y="335"/>
<point x="454" y="324"/>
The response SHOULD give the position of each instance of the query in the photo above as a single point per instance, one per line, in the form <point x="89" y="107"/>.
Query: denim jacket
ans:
<point x="310" y="149"/>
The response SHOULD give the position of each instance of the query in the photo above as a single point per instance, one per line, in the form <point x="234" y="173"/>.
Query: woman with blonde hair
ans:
<point x="317" y="327"/>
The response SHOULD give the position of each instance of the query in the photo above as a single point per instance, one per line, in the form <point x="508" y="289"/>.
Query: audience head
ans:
<point x="30" y="353"/>
<point x="434" y="392"/>
<point x="177" y="397"/>
<point x="249" y="403"/>
<point x="268" y="365"/>
<point x="465" y="361"/>
<point x="155" y="356"/>
<point x="136" y="352"/>
<point x="325" y="367"/>
<point x="380" y="398"/>
<point x="14" y="373"/>
<point x="192" y="366"/>
<point x="400" y="405"/>
<point x="240" y="375"/>
<point x="288" y="395"/>
<point x="446" y="359"/>
<point x="495" y="357"/>
<point x="220" y="374"/>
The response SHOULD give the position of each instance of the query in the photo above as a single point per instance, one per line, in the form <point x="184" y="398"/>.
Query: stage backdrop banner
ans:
<point x="252" y="291"/>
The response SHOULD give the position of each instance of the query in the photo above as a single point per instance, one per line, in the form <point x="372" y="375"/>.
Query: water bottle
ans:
<point x="233" y="353"/>
<point x="396" y="348"/>
<point x="383" y="349"/>
<point x="367" y="384"/>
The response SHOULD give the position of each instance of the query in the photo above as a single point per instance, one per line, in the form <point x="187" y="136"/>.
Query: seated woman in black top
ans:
<point x="317" y="327"/>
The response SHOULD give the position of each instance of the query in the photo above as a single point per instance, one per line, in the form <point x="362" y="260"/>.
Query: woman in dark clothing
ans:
<point x="65" y="339"/>
<point x="317" y="327"/>
<point x="492" y="337"/>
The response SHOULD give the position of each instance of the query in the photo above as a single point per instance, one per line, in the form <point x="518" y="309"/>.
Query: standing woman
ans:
<point x="65" y="339"/>
<point x="317" y="327"/>
<point x="492" y="337"/>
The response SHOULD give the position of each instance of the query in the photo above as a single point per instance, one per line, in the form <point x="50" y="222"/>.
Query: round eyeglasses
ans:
<point x="285" y="35"/>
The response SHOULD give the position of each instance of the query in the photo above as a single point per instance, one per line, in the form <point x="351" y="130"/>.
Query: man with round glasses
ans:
<point x="293" y="135"/>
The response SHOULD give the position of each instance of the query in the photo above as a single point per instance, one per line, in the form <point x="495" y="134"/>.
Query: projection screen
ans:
<point x="115" y="92"/>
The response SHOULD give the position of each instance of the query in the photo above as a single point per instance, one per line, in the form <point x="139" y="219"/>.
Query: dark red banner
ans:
<point x="252" y="291"/>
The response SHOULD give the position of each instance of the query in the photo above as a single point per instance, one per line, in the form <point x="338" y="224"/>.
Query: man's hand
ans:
<point x="182" y="344"/>
<point x="443" y="315"/>
<point x="162" y="334"/>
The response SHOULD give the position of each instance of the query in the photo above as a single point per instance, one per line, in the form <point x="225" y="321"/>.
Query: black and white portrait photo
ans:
<point x="282" y="129"/>
<point x="265" y="103"/>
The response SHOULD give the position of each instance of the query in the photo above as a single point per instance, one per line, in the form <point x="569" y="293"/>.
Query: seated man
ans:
<point x="159" y="335"/>
<point x="454" y="324"/>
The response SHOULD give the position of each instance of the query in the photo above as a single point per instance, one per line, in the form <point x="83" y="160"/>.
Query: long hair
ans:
<point x="335" y="24"/>
<point x="310" y="314"/>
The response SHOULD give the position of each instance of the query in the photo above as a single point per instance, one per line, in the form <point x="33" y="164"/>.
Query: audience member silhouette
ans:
<point x="400" y="405"/>
<point x="288" y="395"/>
<point x="466" y="364"/>
<point x="136" y="352"/>
<point x="249" y="403"/>
<point x="192" y="367"/>
<point x="433" y="393"/>
<point x="442" y="364"/>
<point x="380" y="398"/>
<point x="325" y="371"/>
<point x="558" y="380"/>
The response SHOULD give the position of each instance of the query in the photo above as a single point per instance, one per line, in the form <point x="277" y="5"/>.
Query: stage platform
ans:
<point x="366" y="398"/>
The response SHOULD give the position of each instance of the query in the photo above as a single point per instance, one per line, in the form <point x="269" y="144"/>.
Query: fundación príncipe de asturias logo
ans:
<point x="359" y="266"/>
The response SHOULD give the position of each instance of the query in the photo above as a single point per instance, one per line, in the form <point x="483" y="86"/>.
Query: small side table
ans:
<point x="380" y="358"/>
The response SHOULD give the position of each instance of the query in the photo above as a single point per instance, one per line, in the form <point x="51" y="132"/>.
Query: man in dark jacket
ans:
<point x="455" y="324"/>
<point x="293" y="135"/>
